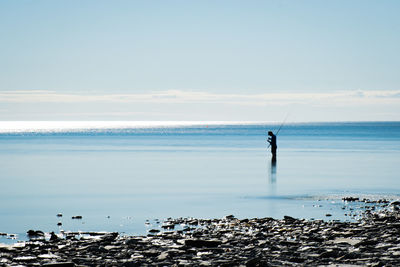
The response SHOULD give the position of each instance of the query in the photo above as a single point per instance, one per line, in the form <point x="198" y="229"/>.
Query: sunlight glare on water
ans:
<point x="110" y="171"/>
<point x="65" y="126"/>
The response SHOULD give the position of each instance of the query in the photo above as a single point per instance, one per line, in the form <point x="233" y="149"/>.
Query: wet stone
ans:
<point x="227" y="242"/>
<point x="59" y="264"/>
<point x="202" y="243"/>
<point x="35" y="233"/>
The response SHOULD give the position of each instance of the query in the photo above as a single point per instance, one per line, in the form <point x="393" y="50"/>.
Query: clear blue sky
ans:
<point x="199" y="60"/>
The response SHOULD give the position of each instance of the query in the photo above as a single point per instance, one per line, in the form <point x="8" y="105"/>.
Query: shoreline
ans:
<point x="332" y="208"/>
<point x="373" y="240"/>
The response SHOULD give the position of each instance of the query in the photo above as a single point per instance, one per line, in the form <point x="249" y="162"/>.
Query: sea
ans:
<point x="128" y="177"/>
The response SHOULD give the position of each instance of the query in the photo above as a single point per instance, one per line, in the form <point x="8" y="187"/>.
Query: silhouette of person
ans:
<point x="272" y="142"/>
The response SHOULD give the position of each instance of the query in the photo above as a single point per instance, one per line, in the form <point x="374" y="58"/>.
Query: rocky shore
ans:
<point x="372" y="241"/>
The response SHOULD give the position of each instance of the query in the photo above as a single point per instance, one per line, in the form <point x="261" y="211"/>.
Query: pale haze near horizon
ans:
<point x="200" y="60"/>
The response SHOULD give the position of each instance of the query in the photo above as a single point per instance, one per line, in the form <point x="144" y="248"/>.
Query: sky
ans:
<point x="219" y="60"/>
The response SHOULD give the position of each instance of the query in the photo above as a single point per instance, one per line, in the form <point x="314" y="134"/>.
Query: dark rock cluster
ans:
<point x="372" y="241"/>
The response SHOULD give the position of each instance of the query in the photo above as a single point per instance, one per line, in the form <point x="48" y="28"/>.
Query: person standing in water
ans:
<point x="272" y="142"/>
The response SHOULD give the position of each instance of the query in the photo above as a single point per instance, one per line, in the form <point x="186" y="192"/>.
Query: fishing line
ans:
<point x="280" y="127"/>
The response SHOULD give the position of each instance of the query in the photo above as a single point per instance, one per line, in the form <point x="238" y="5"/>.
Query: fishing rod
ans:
<point x="280" y="127"/>
<point x="287" y="115"/>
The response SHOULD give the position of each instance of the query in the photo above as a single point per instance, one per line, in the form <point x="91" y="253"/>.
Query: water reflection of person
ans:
<point x="272" y="176"/>
<point x="272" y="142"/>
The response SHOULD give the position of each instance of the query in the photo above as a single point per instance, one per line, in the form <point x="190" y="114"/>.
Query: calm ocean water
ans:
<point x="118" y="175"/>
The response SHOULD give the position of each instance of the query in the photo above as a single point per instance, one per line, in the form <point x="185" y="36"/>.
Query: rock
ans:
<point x="131" y="264"/>
<point x="169" y="226"/>
<point x="150" y="253"/>
<point x="366" y="243"/>
<point x="330" y="254"/>
<point x="132" y="241"/>
<point x="193" y="222"/>
<point x="205" y="263"/>
<point x="53" y="237"/>
<point x="109" y="237"/>
<point x="350" y="199"/>
<point x="48" y="256"/>
<point x="111" y="247"/>
<point x="229" y="217"/>
<point x="289" y="219"/>
<point x="198" y="243"/>
<point x="372" y="241"/>
<point x="59" y="264"/>
<point x="35" y="234"/>
<point x="25" y="258"/>
<point x="162" y="256"/>
<point x="256" y="262"/>
<point x="349" y="241"/>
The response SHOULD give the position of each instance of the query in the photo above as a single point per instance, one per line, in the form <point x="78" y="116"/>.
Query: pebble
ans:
<point x="35" y="234"/>
<point x="372" y="241"/>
